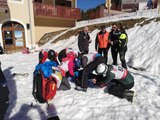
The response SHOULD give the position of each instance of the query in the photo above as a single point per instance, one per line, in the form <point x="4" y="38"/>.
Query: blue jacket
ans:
<point x="46" y="68"/>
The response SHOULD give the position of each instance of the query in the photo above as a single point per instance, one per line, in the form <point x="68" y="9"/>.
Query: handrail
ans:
<point x="56" y="11"/>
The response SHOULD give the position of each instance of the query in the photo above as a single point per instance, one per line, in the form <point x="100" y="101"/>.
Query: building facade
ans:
<point x="24" y="22"/>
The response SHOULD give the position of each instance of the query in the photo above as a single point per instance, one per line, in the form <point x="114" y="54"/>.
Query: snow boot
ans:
<point x="128" y="95"/>
<point x="53" y="118"/>
<point x="80" y="89"/>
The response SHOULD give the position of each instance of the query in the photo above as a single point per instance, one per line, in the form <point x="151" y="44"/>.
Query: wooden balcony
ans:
<point x="56" y="11"/>
<point x="3" y="4"/>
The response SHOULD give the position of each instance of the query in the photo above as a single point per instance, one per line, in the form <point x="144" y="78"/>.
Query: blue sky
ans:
<point x="86" y="4"/>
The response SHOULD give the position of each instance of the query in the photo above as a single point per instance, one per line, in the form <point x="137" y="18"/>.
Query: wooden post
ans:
<point x="159" y="7"/>
<point x="108" y="5"/>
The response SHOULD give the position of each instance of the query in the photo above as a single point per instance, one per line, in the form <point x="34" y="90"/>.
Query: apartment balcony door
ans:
<point x="13" y="36"/>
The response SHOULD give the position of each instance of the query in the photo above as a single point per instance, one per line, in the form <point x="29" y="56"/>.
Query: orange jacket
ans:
<point x="103" y="40"/>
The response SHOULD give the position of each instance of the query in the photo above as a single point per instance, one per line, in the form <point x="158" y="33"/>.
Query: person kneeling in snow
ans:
<point x="117" y="79"/>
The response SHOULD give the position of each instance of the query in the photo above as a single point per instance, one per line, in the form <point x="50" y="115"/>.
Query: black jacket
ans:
<point x="114" y="36"/>
<point x="83" y="42"/>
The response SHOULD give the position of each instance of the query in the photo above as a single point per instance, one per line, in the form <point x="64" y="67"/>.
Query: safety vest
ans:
<point x="123" y="40"/>
<point x="103" y="40"/>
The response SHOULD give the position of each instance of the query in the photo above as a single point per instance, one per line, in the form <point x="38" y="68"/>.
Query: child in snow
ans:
<point x="117" y="79"/>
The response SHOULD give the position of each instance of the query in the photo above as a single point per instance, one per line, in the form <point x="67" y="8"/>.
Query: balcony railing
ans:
<point x="56" y="11"/>
<point x="3" y="4"/>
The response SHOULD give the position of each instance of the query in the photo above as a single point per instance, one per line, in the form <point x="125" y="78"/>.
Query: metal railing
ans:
<point x="56" y="11"/>
<point x="143" y="13"/>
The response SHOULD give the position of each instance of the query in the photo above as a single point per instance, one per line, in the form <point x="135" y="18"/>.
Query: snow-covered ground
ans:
<point x="143" y="51"/>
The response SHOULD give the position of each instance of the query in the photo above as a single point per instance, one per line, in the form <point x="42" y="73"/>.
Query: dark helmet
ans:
<point x="51" y="55"/>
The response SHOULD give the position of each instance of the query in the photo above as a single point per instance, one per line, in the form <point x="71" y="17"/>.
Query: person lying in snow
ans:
<point x="117" y="79"/>
<point x="66" y="68"/>
<point x="63" y="53"/>
<point x="67" y="65"/>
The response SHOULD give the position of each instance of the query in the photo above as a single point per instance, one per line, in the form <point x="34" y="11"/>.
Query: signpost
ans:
<point x="159" y="7"/>
<point x="108" y="6"/>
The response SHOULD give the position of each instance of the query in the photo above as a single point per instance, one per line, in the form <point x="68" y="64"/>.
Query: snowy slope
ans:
<point x="143" y="51"/>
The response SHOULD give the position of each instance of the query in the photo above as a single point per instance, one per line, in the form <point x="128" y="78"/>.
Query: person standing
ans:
<point x="122" y="46"/>
<point x="84" y="41"/>
<point x="102" y="42"/>
<point x="149" y="4"/>
<point x="113" y="37"/>
<point x="1" y="49"/>
<point x="4" y="95"/>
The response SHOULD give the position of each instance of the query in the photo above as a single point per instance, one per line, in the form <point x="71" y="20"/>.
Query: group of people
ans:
<point x="83" y="66"/>
<point x="152" y="4"/>
<point x="70" y="65"/>
<point x="117" y="79"/>
<point x="116" y="39"/>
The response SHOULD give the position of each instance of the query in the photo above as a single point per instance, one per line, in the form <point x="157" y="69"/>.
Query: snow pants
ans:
<point x="104" y="51"/>
<point x="64" y="85"/>
<point x="114" y="51"/>
<point x="117" y="89"/>
<point x="3" y="108"/>
<point x="122" y="57"/>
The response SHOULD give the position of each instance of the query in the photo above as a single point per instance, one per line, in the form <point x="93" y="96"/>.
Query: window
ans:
<point x="16" y="1"/>
<point x="63" y="3"/>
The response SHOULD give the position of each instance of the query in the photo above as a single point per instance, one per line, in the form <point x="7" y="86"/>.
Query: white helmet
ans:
<point x="102" y="69"/>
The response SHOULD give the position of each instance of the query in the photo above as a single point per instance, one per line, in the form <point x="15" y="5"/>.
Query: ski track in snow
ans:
<point x="143" y="51"/>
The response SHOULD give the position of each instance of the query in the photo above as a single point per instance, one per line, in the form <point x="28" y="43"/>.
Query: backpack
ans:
<point x="44" y="85"/>
<point x="44" y="89"/>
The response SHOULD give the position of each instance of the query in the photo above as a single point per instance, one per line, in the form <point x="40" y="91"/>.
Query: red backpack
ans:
<point x="44" y="89"/>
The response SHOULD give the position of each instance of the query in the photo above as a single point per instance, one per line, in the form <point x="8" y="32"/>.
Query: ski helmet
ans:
<point x="51" y="55"/>
<point x="101" y="69"/>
